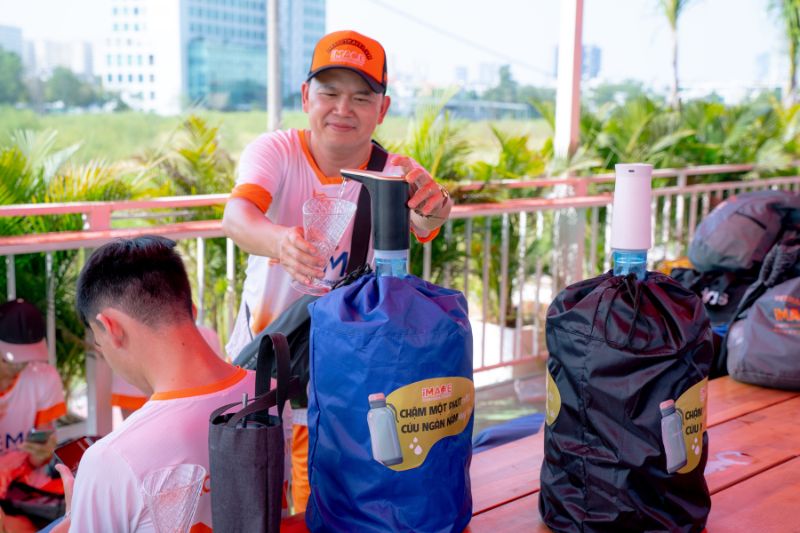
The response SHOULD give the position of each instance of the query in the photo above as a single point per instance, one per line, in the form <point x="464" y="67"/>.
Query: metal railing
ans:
<point x="500" y="257"/>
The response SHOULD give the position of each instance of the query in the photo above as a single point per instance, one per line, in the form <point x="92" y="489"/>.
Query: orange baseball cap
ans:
<point x="352" y="51"/>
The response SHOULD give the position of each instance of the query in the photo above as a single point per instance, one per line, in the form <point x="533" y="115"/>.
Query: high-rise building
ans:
<point x="591" y="61"/>
<point x="164" y="55"/>
<point x="11" y="39"/>
<point x="42" y="57"/>
<point x="302" y="24"/>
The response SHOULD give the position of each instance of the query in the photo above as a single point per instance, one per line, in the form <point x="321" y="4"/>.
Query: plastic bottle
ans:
<point x="672" y="436"/>
<point x="630" y="261"/>
<point x="383" y="431"/>
<point x="631" y="235"/>
<point x="391" y="263"/>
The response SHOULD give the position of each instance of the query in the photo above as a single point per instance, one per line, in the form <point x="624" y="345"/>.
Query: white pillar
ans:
<point x="568" y="95"/>
<point x="98" y="392"/>
<point x="569" y="224"/>
<point x="273" y="67"/>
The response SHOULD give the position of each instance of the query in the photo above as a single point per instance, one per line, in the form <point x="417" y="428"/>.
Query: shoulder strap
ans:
<point x="363" y="224"/>
<point x="273" y="350"/>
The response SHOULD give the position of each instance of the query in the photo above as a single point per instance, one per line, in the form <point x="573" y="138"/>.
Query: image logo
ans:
<point x="348" y="56"/>
<point x="437" y="392"/>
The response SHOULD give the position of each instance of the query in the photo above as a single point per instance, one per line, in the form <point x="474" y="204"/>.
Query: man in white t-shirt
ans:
<point x="128" y="398"/>
<point x="31" y="392"/>
<point x="345" y="100"/>
<point x="135" y="296"/>
<point x="31" y="399"/>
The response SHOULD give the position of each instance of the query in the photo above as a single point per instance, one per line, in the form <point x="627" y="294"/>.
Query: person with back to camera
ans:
<point x="135" y="297"/>
<point x="345" y="99"/>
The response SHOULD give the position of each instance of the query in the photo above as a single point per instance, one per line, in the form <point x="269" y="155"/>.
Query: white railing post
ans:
<point x="230" y="283"/>
<point x="51" y="308"/>
<point x="98" y="391"/>
<point x="98" y="373"/>
<point x="201" y="280"/>
<point x="11" y="278"/>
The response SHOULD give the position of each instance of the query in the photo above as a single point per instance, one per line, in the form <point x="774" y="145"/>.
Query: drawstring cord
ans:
<point x="629" y="282"/>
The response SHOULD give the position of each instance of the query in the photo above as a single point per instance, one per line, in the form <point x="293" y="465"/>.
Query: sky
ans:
<point x="719" y="40"/>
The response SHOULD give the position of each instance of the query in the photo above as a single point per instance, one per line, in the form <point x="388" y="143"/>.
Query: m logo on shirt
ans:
<point x="341" y="260"/>
<point x="12" y="442"/>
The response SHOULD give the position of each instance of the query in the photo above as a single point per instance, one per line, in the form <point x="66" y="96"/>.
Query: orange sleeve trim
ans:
<point x="231" y="380"/>
<point x="200" y="527"/>
<point x="131" y="403"/>
<point x="432" y="235"/>
<point x="323" y="179"/>
<point x="256" y="194"/>
<point x="45" y="416"/>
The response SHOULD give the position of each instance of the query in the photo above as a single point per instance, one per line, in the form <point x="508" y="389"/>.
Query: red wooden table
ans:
<point x="753" y="470"/>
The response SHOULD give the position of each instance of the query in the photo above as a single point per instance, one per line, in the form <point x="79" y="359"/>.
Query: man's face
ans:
<point x="343" y="111"/>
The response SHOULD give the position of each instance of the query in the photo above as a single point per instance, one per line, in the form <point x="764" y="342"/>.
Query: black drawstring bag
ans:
<point x="246" y="449"/>
<point x="618" y="348"/>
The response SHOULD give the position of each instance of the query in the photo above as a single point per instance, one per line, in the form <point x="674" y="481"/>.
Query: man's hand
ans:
<point x="39" y="453"/>
<point x="299" y="257"/>
<point x="430" y="201"/>
<point x="69" y="484"/>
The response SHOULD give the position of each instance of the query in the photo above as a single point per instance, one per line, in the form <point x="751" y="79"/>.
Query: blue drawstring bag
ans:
<point x="410" y="342"/>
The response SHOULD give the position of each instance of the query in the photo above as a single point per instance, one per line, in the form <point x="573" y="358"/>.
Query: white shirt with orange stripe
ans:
<point x="170" y="429"/>
<point x="128" y="397"/>
<point x="35" y="398"/>
<point x="278" y="174"/>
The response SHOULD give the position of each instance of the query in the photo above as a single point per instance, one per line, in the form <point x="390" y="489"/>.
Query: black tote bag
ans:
<point x="246" y="450"/>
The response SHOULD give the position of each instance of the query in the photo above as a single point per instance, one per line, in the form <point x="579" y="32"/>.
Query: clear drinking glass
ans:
<point x="324" y="222"/>
<point x="172" y="494"/>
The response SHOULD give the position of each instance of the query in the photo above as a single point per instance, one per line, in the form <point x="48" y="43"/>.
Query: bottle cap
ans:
<point x="376" y="397"/>
<point x="631" y="218"/>
<point x="667" y="406"/>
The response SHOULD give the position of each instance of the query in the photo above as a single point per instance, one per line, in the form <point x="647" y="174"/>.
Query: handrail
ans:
<point x="74" y="240"/>
<point x="103" y="210"/>
<point x="70" y="240"/>
<point x="66" y="208"/>
<point x="705" y="170"/>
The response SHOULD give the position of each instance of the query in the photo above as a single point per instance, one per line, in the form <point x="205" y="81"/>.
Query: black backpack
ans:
<point x="762" y="345"/>
<point x="295" y="322"/>
<point x="739" y="232"/>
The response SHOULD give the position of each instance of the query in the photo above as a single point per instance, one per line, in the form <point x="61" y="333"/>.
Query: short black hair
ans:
<point x="143" y="277"/>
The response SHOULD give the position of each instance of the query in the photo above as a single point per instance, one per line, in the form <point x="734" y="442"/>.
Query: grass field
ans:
<point x="119" y="136"/>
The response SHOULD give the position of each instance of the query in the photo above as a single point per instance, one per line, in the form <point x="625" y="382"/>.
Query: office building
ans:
<point x="11" y="39"/>
<point x="167" y="55"/>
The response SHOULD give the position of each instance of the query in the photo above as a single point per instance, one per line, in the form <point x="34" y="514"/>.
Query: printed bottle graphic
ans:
<point x="672" y="436"/>
<point x="383" y="431"/>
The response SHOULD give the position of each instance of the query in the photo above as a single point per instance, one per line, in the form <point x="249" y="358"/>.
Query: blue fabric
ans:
<point x="49" y="527"/>
<point x="507" y="432"/>
<point x="380" y="334"/>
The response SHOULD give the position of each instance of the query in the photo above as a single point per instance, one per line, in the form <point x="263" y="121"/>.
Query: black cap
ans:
<point x="21" y="322"/>
<point x="22" y="332"/>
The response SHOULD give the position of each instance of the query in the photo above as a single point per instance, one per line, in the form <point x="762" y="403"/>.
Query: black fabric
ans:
<point x="720" y="291"/>
<point x="21" y="322"/>
<point x="246" y="449"/>
<point x="295" y="322"/>
<point x="40" y="506"/>
<point x="618" y="347"/>
<point x="762" y="346"/>
<point x="363" y="223"/>
<point x="739" y="233"/>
